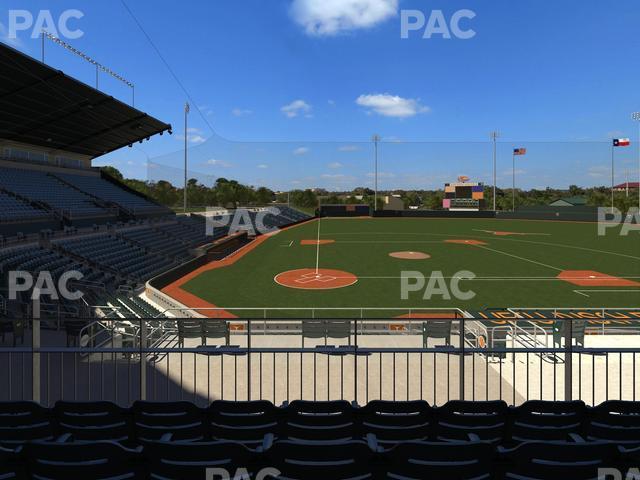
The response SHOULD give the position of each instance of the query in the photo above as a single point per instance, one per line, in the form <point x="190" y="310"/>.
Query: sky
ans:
<point x="288" y="93"/>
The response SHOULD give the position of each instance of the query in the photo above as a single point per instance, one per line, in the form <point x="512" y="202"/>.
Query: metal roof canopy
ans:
<point x="42" y="106"/>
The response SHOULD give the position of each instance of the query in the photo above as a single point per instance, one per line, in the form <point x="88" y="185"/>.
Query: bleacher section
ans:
<point x="12" y="209"/>
<point x="307" y="440"/>
<point x="52" y="194"/>
<point x="110" y="193"/>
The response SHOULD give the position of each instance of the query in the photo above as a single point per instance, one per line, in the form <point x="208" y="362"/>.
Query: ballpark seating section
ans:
<point x="109" y="192"/>
<point x="125" y="251"/>
<point x="51" y="193"/>
<point x="12" y="209"/>
<point x="306" y="440"/>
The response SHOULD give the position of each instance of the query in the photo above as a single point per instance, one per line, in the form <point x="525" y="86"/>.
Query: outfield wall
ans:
<point x="565" y="214"/>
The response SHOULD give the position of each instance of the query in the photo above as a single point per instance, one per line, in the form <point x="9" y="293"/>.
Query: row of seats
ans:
<point x="292" y="460"/>
<point x="46" y="188"/>
<point x="12" y="209"/>
<point x="324" y="440"/>
<point x="157" y="241"/>
<point x="110" y="192"/>
<point x="249" y="423"/>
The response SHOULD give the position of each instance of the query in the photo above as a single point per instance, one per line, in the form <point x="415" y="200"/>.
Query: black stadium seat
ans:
<point x="189" y="460"/>
<point x="443" y="460"/>
<point x="465" y="420"/>
<point x="393" y="422"/>
<point x="22" y="422"/>
<point x="319" y="421"/>
<point x="82" y="460"/>
<point x="245" y="422"/>
<point x="180" y="420"/>
<point x="537" y="420"/>
<point x="559" y="460"/>
<point x="350" y="460"/>
<point x="93" y="421"/>
<point x="615" y="421"/>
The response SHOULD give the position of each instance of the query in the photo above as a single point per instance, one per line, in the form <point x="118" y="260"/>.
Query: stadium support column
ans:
<point x="636" y="116"/>
<point x="375" y="139"/>
<point x="494" y="138"/>
<point x="186" y="114"/>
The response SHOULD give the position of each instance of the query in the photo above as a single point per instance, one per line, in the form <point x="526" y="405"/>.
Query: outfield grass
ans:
<point x="512" y="271"/>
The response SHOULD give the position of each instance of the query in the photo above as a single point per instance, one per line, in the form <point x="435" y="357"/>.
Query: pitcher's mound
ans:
<point x="466" y="242"/>
<point x="410" y="255"/>
<point x="316" y="242"/>
<point x="310" y="279"/>
<point x="589" y="278"/>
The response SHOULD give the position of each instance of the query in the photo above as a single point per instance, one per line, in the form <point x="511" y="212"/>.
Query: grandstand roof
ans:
<point x="43" y="106"/>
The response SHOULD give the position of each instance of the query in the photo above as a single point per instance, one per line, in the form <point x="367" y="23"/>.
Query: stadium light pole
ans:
<point x="494" y="137"/>
<point x="636" y="116"/>
<point x="186" y="114"/>
<point x="375" y="139"/>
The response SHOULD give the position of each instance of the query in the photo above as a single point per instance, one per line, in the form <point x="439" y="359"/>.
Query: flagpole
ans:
<point x="186" y="136"/>
<point x="613" y="149"/>
<point x="514" y="181"/>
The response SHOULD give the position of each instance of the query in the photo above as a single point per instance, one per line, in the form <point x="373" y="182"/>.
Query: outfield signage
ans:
<point x="596" y="317"/>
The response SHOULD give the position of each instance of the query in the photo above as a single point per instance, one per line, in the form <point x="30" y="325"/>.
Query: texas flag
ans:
<point x="519" y="151"/>
<point x="621" y="142"/>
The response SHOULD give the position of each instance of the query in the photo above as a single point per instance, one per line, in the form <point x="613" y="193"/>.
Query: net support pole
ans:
<point x="35" y="347"/>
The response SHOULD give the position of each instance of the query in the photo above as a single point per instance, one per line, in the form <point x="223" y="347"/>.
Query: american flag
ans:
<point x="519" y="151"/>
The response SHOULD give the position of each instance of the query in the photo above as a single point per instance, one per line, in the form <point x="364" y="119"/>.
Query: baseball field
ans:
<point x="472" y="265"/>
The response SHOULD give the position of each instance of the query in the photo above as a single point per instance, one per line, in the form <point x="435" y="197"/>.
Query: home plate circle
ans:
<point x="312" y="279"/>
<point x="410" y="255"/>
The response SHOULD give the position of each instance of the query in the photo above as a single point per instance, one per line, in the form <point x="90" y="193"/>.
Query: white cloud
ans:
<point x="331" y="17"/>
<point x="295" y="108"/>
<point x="240" y="112"/>
<point x="599" y="172"/>
<point x="391" y="105"/>
<point x="335" y="165"/>
<point x="335" y="176"/>
<point x="301" y="151"/>
<point x="219" y="163"/>
<point x="205" y="109"/>
<point x="349" y="148"/>
<point x="194" y="135"/>
<point x="263" y="166"/>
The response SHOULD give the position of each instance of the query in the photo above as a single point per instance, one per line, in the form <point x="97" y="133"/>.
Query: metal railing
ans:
<point x="374" y="358"/>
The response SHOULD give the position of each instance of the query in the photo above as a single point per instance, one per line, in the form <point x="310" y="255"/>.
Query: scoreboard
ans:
<point x="463" y="195"/>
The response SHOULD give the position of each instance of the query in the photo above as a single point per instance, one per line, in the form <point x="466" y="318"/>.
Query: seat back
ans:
<point x="310" y="461"/>
<point x="93" y="421"/>
<point x="188" y="328"/>
<point x="245" y="422"/>
<point x="544" y="460"/>
<point x="462" y="461"/>
<point x="437" y="329"/>
<point x="215" y="328"/>
<point x="22" y="422"/>
<point x="537" y="420"/>
<point x="183" y="420"/>
<point x="486" y="420"/>
<point x="318" y="421"/>
<point x="393" y="422"/>
<point x="96" y="460"/>
<point x="615" y="421"/>
<point x="189" y="460"/>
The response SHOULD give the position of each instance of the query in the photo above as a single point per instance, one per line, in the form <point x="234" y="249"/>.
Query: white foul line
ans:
<point x="520" y="258"/>
<point x="581" y="292"/>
